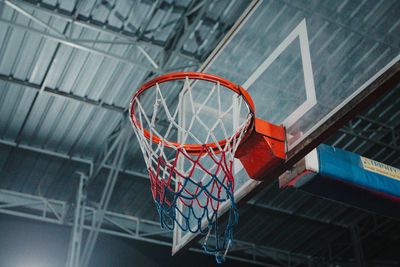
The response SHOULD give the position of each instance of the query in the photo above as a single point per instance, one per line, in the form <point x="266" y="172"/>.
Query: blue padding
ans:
<point x="344" y="176"/>
<point x="356" y="170"/>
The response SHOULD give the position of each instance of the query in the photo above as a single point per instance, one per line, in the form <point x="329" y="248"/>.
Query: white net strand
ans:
<point x="195" y="115"/>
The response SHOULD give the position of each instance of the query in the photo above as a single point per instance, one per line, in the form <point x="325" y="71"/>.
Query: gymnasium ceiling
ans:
<point x="67" y="71"/>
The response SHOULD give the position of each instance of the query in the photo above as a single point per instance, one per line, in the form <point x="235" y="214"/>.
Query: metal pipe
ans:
<point x="33" y="18"/>
<point x="65" y="156"/>
<point x="55" y="92"/>
<point x="76" y="235"/>
<point x="350" y="132"/>
<point x="293" y="213"/>
<point x="85" y="24"/>
<point x="82" y="47"/>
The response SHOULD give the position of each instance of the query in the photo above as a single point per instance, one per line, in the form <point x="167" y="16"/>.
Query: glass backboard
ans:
<point x="307" y="65"/>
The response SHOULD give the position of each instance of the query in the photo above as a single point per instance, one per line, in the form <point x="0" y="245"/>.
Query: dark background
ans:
<point x="28" y="243"/>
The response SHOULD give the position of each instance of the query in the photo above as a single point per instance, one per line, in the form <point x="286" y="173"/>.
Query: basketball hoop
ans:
<point x="189" y="127"/>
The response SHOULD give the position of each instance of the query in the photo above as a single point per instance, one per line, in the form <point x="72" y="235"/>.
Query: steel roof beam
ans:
<point x="365" y="145"/>
<point x="82" y="47"/>
<point x="105" y="155"/>
<point x="371" y="140"/>
<point x="98" y="26"/>
<point x="184" y="30"/>
<point x="63" y="36"/>
<point x="74" y="250"/>
<point x="292" y="213"/>
<point x="68" y="157"/>
<point x="373" y="121"/>
<point x="257" y="202"/>
<point x="362" y="236"/>
<point x="26" y="84"/>
<point x="96" y="103"/>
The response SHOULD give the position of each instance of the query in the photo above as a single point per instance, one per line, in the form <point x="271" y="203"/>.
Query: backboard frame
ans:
<point x="380" y="83"/>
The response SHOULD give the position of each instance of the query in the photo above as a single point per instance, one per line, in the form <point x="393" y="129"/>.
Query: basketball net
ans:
<point x="190" y="168"/>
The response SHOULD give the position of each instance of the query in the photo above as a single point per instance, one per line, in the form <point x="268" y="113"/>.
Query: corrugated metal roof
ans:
<point x="87" y="81"/>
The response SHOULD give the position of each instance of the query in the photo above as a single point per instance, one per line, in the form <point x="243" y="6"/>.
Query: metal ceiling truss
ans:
<point x="55" y="211"/>
<point x="121" y="131"/>
<point x="57" y="36"/>
<point x="57" y="93"/>
<point x="361" y="134"/>
<point x="239" y="246"/>
<point x="32" y="207"/>
<point x="122" y="225"/>
<point x="89" y="23"/>
<point x="120" y="36"/>
<point x="357" y="234"/>
<point x="120" y="147"/>
<point x="372" y="131"/>
<point x="68" y="157"/>
<point x="296" y="214"/>
<point x="63" y="38"/>
<point x="184" y="30"/>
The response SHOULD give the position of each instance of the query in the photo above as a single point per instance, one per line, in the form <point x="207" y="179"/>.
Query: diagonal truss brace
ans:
<point x="61" y="38"/>
<point x="120" y="151"/>
<point x="127" y="37"/>
<point x="48" y="210"/>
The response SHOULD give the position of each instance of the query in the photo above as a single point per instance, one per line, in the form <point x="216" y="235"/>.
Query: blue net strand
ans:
<point x="196" y="203"/>
<point x="228" y="234"/>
